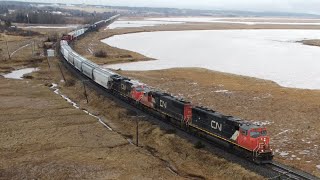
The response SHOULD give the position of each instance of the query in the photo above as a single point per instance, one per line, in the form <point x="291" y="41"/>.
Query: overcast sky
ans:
<point x="301" y="6"/>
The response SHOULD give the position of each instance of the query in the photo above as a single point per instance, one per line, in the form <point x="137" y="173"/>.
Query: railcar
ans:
<point x="87" y="68"/>
<point x="78" y="62"/>
<point x="103" y="77"/>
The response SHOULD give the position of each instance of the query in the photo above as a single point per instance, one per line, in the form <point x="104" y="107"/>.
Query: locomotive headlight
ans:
<point x="262" y="150"/>
<point x="264" y="140"/>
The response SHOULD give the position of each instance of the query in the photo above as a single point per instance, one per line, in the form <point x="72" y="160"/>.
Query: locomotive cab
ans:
<point x="141" y="93"/>
<point x="255" y="139"/>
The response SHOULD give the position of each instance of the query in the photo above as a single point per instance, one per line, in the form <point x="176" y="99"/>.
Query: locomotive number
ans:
<point x="163" y="104"/>
<point x="123" y="87"/>
<point x="216" y="125"/>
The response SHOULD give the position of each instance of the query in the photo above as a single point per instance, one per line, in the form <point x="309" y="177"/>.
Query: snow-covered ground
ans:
<point x="247" y="21"/>
<point x="129" y="24"/>
<point x="18" y="74"/>
<point x="267" y="54"/>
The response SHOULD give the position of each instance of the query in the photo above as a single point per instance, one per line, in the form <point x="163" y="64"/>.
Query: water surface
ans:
<point x="267" y="54"/>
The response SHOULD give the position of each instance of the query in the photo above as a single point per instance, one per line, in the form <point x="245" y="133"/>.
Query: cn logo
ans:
<point x="123" y="87"/>
<point x="216" y="125"/>
<point x="163" y="104"/>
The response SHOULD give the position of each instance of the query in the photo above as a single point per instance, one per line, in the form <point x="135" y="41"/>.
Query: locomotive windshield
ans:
<point x="139" y="89"/>
<point x="254" y="134"/>
<point x="257" y="133"/>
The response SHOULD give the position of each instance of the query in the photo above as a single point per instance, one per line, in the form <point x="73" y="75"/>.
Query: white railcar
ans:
<point x="102" y="76"/>
<point x="65" y="52"/>
<point x="78" y="62"/>
<point x="88" y="67"/>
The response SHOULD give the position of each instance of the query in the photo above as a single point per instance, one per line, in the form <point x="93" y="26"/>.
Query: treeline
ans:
<point x="48" y="15"/>
<point x="38" y="17"/>
<point x="4" y="10"/>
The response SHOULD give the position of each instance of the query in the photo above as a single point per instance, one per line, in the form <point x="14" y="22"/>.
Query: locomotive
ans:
<point x="251" y="140"/>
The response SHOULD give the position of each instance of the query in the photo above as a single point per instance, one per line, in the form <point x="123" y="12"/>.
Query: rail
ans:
<point x="286" y="172"/>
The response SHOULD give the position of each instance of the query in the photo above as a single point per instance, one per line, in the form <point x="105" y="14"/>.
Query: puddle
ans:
<point x="18" y="74"/>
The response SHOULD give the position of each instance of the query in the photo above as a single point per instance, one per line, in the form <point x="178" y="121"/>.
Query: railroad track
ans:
<point x="286" y="172"/>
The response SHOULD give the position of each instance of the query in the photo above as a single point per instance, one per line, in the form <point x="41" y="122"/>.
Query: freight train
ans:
<point x="97" y="25"/>
<point x="243" y="137"/>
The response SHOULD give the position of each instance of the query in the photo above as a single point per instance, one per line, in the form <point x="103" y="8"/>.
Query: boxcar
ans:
<point x="102" y="77"/>
<point x="88" y="67"/>
<point x="78" y="62"/>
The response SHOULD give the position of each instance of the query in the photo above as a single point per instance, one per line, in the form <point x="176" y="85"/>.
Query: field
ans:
<point x="291" y="115"/>
<point x="43" y="136"/>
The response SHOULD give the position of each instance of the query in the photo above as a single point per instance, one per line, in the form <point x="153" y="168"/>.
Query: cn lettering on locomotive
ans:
<point x="163" y="104"/>
<point x="216" y="125"/>
<point x="123" y="87"/>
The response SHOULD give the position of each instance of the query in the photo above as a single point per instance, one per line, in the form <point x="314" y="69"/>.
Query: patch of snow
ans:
<point x="223" y="91"/>
<point x="304" y="152"/>
<point x="130" y="141"/>
<point x="283" y="153"/>
<point x="18" y="74"/>
<point x="265" y="54"/>
<point x="56" y="91"/>
<point x="256" y="98"/>
<point x="19" y="49"/>
<point x="91" y="52"/>
<point x="318" y="166"/>
<point x="282" y="132"/>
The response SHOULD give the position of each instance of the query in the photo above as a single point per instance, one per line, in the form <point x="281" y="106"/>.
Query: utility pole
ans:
<point x="62" y="73"/>
<point x="32" y="43"/>
<point x="85" y="91"/>
<point x="137" y="131"/>
<point x="7" y="48"/>
<point x="48" y="62"/>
